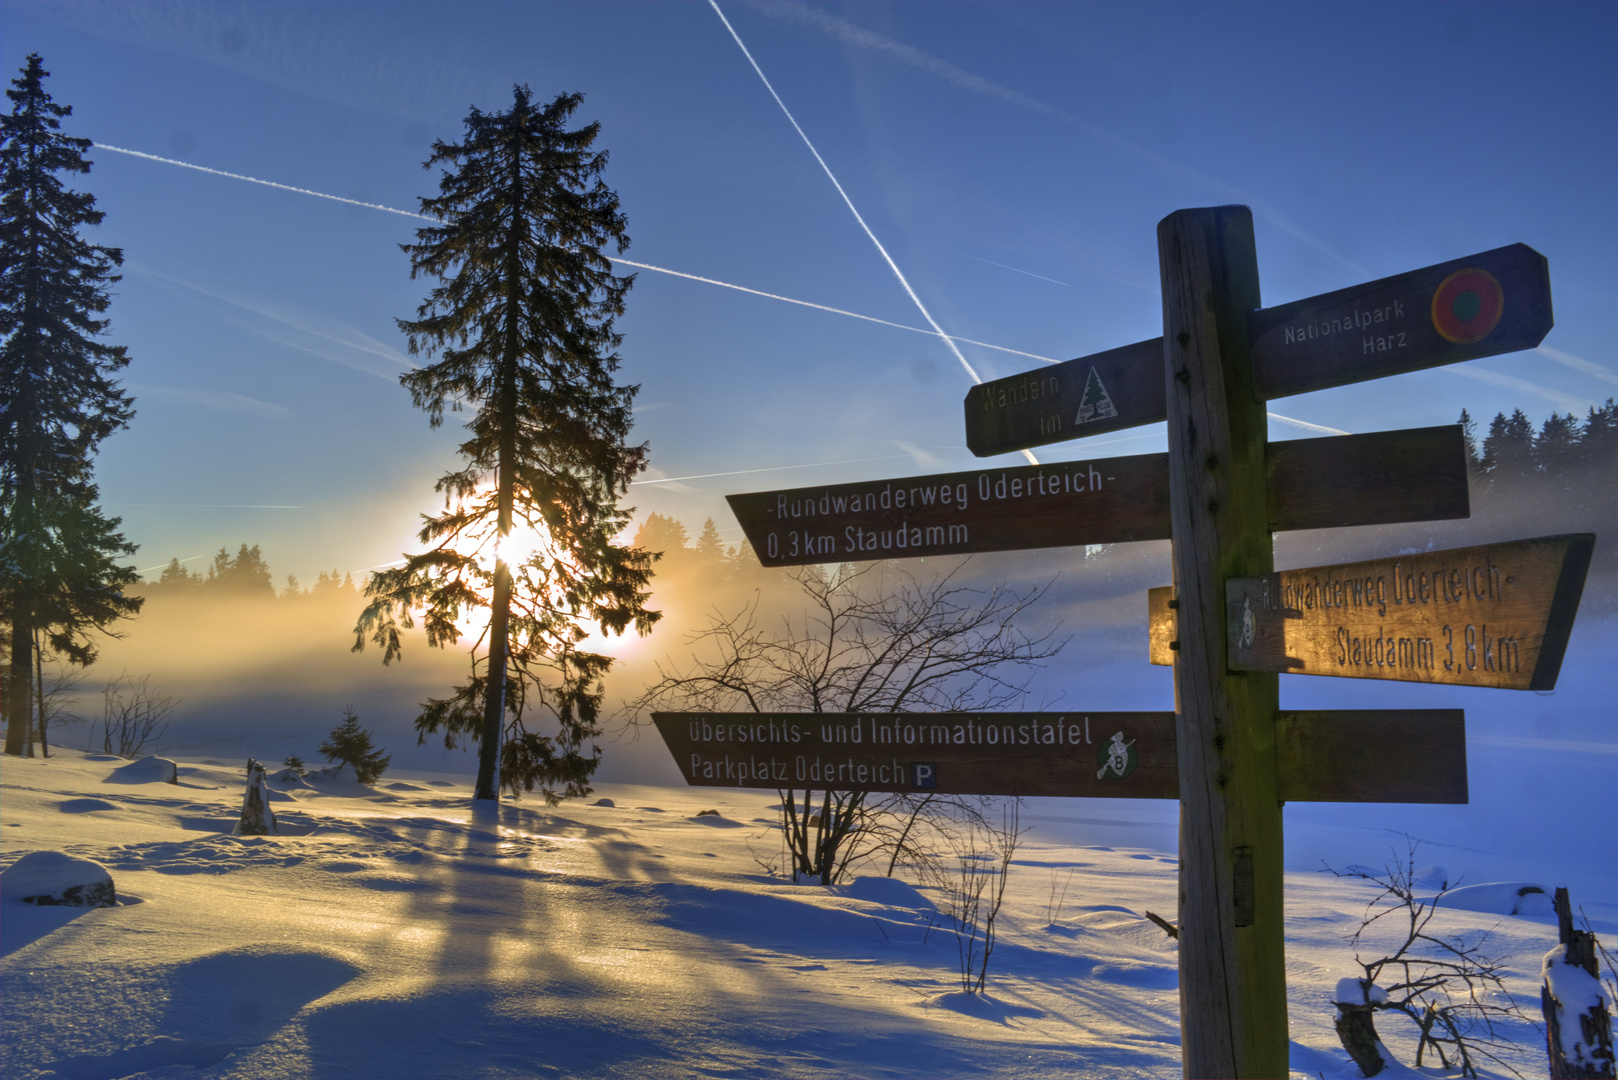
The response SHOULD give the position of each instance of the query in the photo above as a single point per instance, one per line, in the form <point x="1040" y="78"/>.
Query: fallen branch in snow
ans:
<point x="1168" y="928"/>
<point x="1443" y="984"/>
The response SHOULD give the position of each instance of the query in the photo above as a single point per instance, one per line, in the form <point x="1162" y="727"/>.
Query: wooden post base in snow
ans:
<point x="1356" y="1026"/>
<point x="1578" y="1028"/>
<point x="257" y="817"/>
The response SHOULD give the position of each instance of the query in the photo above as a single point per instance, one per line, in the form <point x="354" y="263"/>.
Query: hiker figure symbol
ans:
<point x="1117" y="757"/>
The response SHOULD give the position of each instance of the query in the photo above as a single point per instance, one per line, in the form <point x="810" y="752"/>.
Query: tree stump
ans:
<point x="1356" y="1027"/>
<point x="1578" y="1028"/>
<point x="257" y="817"/>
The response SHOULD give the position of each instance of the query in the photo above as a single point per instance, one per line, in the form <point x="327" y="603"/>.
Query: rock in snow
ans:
<point x="147" y="770"/>
<point x="56" y="878"/>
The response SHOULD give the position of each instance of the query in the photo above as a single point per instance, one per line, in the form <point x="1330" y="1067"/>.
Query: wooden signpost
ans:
<point x="1320" y="756"/>
<point x="1497" y="615"/>
<point x="1485" y="304"/>
<point x="1385" y="477"/>
<point x="1494" y="616"/>
<point x="1118" y="755"/>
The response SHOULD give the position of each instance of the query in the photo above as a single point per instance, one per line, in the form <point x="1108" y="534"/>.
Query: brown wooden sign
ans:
<point x="1416" y="475"/>
<point x="1099" y="754"/>
<point x="1498" y="615"/>
<point x="1106" y="391"/>
<point x="1416" y="756"/>
<point x="1009" y="509"/>
<point x="1163" y="636"/>
<point x="1372" y="755"/>
<point x="1493" y="302"/>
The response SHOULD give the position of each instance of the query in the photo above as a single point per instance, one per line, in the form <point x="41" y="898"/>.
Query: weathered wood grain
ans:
<point x="1372" y="755"/>
<point x="1361" y="332"/>
<point x="1389" y="326"/>
<point x="1496" y="615"/>
<point x="1364" y="755"/>
<point x="1048" y="405"/>
<point x="1233" y="1005"/>
<point x="1383" y="477"/>
<point x="1025" y="754"/>
<point x="1105" y="501"/>
<point x="1161" y="626"/>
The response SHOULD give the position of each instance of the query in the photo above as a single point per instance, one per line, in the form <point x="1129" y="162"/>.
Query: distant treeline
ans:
<point x="244" y="575"/>
<point x="707" y="558"/>
<point x="1566" y="466"/>
<point x="1562" y="448"/>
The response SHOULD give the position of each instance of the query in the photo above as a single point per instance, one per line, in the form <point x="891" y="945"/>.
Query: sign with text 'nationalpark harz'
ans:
<point x="1498" y="615"/>
<point x="1320" y="756"/>
<point x="1379" y="478"/>
<point x="1493" y="302"/>
<point x="1104" y="754"/>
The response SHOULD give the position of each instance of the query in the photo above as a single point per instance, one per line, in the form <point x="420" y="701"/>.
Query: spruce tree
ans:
<point x="1469" y="436"/>
<point x="1508" y="450"/>
<point x="710" y="551"/>
<point x="59" y="578"/>
<point x="246" y="575"/>
<point x="351" y="744"/>
<point x="521" y="325"/>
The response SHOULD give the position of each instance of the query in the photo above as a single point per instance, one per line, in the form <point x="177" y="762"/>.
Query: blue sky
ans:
<point x="1013" y="159"/>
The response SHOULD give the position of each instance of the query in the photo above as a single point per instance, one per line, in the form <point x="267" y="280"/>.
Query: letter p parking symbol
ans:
<point x="923" y="775"/>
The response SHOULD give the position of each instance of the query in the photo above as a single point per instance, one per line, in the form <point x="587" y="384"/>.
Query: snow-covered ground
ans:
<point x="386" y="933"/>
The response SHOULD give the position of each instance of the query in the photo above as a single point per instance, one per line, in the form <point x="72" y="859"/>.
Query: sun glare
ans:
<point x="521" y="547"/>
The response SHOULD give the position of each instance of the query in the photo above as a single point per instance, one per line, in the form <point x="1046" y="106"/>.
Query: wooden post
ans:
<point x="1581" y="1022"/>
<point x="1232" y="971"/>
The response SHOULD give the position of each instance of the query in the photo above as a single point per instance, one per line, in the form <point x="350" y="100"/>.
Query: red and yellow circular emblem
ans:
<point x="1468" y="305"/>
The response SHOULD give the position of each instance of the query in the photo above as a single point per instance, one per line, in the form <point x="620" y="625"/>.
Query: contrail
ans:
<point x="1306" y="425"/>
<point x="161" y="566"/>
<point x="1511" y="382"/>
<point x="626" y="262"/>
<point x="1014" y="270"/>
<point x="905" y="284"/>
<point x="219" y="506"/>
<point x="773" y="468"/>
<point x="840" y="311"/>
<point x="936" y="330"/>
<point x="851" y="34"/>
<point x="255" y="180"/>
<point x="1578" y="363"/>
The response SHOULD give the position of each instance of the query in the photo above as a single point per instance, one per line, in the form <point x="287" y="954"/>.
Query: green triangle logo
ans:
<point x="1096" y="404"/>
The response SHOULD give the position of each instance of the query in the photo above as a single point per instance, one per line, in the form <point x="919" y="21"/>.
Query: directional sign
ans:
<point x="1119" y="388"/>
<point x="1498" y="615"/>
<point x="1083" y="502"/>
<point x="1416" y="756"/>
<point x="1372" y="755"/>
<point x="1104" y="754"/>
<point x="1416" y="475"/>
<point x="1494" y="302"/>
<point x="1481" y="305"/>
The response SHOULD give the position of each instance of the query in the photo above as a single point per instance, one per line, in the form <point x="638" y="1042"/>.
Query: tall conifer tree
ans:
<point x="521" y="324"/>
<point x="59" y="578"/>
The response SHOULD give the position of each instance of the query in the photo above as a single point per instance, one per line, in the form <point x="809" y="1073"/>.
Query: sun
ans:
<point x="525" y="544"/>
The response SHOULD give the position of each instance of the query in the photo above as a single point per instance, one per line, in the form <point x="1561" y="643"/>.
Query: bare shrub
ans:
<point x="55" y="692"/>
<point x="133" y="713"/>
<point x="1445" y="985"/>
<point x="869" y="639"/>
<point x="973" y="896"/>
